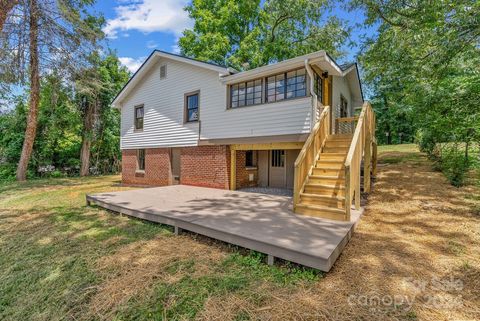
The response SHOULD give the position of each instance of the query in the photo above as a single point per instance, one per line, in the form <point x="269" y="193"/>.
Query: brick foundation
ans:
<point x="157" y="167"/>
<point x="242" y="173"/>
<point x="207" y="166"/>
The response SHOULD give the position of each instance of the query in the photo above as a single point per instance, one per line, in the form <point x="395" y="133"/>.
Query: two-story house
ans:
<point x="191" y="122"/>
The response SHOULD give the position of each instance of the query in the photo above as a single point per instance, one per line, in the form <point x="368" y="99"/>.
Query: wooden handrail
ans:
<point x="309" y="153"/>
<point x="360" y="147"/>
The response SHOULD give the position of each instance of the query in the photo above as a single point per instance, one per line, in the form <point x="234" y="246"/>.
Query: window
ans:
<point x="318" y="86"/>
<point x="139" y="117"/>
<point x="287" y="85"/>
<point x="163" y="71"/>
<point x="141" y="159"/>
<point x="278" y="158"/>
<point x="343" y="107"/>
<point x="246" y="93"/>
<point x="250" y="158"/>
<point x="191" y="106"/>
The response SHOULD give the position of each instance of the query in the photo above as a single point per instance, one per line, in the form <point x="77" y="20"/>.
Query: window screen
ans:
<point x="141" y="159"/>
<point x="192" y="107"/>
<point x="139" y="112"/>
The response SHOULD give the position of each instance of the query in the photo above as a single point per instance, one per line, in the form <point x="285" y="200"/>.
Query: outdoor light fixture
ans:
<point x="325" y="74"/>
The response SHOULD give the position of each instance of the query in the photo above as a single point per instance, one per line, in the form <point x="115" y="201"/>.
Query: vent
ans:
<point x="163" y="71"/>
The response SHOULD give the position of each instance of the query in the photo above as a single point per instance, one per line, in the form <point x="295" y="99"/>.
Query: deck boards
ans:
<point x="265" y="223"/>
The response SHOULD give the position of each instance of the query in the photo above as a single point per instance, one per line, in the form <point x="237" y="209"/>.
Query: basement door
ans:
<point x="277" y="170"/>
<point x="175" y="161"/>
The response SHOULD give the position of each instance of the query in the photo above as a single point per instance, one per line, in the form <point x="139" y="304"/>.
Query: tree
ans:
<point x="247" y="34"/>
<point x="425" y="62"/>
<point x="49" y="35"/>
<point x="96" y="87"/>
<point x="5" y="7"/>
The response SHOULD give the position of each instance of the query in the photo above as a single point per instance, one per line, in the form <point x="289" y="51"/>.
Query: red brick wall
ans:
<point x="242" y="179"/>
<point x="207" y="166"/>
<point x="157" y="167"/>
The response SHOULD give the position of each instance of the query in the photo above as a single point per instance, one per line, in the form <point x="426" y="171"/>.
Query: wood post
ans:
<point x="374" y="159"/>
<point x="367" y="164"/>
<point x="233" y="169"/>
<point x="348" y="200"/>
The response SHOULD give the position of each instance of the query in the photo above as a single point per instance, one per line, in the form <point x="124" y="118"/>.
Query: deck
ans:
<point x="261" y="222"/>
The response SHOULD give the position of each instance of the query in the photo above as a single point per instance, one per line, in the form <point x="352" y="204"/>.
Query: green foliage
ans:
<point x="255" y="32"/>
<point x="424" y="69"/>
<point x="56" y="150"/>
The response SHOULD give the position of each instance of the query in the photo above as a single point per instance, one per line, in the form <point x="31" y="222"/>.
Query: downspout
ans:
<point x="313" y="118"/>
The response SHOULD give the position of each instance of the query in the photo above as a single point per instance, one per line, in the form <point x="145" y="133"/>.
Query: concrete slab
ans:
<point x="265" y="223"/>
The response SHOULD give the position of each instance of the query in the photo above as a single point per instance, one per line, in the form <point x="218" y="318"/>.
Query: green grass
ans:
<point x="51" y="246"/>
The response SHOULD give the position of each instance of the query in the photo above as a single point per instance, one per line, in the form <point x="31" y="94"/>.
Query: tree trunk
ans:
<point x="5" y="7"/>
<point x="31" y="129"/>
<point x="87" y="138"/>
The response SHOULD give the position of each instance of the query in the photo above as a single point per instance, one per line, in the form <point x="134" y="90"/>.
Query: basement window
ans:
<point x="141" y="160"/>
<point x="250" y="159"/>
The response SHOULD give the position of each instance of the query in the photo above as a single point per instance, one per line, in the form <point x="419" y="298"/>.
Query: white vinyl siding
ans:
<point x="341" y="88"/>
<point x="164" y="105"/>
<point x="270" y="119"/>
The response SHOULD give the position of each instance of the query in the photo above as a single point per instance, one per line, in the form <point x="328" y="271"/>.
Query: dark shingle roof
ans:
<point x="347" y="65"/>
<point x="182" y="56"/>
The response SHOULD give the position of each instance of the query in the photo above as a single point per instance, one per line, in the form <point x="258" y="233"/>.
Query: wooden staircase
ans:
<point x="324" y="191"/>
<point x="327" y="176"/>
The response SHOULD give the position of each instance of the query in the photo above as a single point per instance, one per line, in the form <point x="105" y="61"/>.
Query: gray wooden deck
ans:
<point x="260" y="222"/>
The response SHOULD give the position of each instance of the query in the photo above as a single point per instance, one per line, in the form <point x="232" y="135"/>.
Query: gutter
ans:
<point x="313" y="95"/>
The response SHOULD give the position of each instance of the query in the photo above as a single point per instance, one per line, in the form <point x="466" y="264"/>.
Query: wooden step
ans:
<point x="322" y="200"/>
<point x="324" y="189"/>
<point x="329" y="171"/>
<point x="337" y="143"/>
<point x="336" y="149"/>
<point x="341" y="136"/>
<point x="330" y="164"/>
<point x="333" y="156"/>
<point x="321" y="211"/>
<point x="327" y="179"/>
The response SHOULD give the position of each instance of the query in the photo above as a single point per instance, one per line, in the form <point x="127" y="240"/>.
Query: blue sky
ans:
<point x="135" y="28"/>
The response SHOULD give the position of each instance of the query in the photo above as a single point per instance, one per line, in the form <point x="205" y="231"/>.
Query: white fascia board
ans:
<point x="319" y="57"/>
<point x="269" y="69"/>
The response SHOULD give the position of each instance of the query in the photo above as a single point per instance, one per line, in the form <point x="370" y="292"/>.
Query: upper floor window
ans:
<point x="318" y="86"/>
<point x="287" y="85"/>
<point x="246" y="93"/>
<point x="191" y="106"/>
<point x="139" y="112"/>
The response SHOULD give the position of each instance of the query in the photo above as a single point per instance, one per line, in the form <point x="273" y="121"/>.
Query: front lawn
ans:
<point x="414" y="256"/>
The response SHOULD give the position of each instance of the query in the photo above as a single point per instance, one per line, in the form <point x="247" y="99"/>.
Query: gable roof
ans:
<point x="150" y="61"/>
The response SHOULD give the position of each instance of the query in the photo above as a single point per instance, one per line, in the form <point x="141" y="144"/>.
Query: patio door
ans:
<point x="277" y="177"/>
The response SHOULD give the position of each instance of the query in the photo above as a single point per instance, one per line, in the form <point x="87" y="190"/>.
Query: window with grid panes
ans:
<point x="246" y="93"/>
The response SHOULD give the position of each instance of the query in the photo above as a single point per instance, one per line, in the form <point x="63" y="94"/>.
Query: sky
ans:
<point x="135" y="28"/>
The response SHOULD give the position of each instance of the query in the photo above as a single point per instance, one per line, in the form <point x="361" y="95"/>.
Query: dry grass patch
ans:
<point x="414" y="256"/>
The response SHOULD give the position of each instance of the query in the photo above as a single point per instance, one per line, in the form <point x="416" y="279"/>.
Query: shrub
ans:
<point x="454" y="165"/>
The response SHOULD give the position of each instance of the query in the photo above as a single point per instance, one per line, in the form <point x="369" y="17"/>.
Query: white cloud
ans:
<point x="149" y="16"/>
<point x="151" y="44"/>
<point x="131" y="63"/>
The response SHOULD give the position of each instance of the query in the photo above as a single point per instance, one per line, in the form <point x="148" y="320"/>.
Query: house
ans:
<point x="185" y="121"/>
